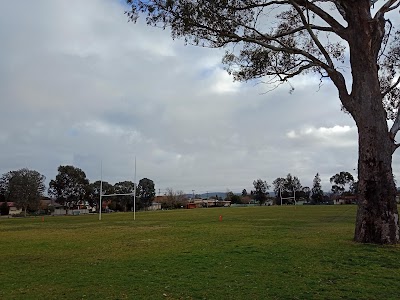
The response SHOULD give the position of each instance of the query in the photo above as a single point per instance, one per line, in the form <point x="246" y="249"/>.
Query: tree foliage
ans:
<point x="69" y="186"/>
<point x="24" y="187"/>
<point x="281" y="38"/>
<point x="4" y="209"/>
<point x="260" y="191"/>
<point x="235" y="199"/>
<point x="145" y="192"/>
<point x="317" y="195"/>
<point x="173" y="199"/>
<point x="125" y="187"/>
<point x="340" y="181"/>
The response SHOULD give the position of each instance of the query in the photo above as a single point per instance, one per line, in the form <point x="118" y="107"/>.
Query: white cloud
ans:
<point x="223" y="82"/>
<point x="336" y="136"/>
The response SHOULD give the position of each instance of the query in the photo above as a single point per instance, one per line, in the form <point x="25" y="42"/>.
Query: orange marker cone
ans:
<point x="220" y="218"/>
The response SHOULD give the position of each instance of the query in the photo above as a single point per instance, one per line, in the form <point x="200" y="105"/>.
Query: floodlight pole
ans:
<point x="101" y="188"/>
<point x="134" y="193"/>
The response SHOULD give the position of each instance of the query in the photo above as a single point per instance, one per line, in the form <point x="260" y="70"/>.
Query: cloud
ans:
<point x="80" y="85"/>
<point x="336" y="136"/>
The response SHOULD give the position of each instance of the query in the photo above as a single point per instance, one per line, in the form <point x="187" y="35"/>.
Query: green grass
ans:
<point x="254" y="253"/>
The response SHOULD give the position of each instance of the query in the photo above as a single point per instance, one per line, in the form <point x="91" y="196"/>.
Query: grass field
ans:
<point x="253" y="253"/>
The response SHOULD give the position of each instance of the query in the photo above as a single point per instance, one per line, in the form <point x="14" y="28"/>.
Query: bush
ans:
<point x="4" y="209"/>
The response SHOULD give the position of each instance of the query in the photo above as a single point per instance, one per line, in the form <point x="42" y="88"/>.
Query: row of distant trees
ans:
<point x="289" y="187"/>
<point x="26" y="187"/>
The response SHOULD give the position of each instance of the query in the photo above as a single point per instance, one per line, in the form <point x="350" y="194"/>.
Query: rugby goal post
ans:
<point x="293" y="197"/>
<point x="111" y="195"/>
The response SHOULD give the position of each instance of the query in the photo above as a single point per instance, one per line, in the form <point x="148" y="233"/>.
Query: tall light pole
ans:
<point x="101" y="187"/>
<point x="134" y="193"/>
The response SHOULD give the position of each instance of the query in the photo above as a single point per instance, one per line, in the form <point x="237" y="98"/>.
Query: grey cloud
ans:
<point x="79" y="85"/>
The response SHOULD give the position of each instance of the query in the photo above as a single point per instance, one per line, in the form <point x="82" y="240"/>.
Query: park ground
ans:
<point x="286" y="252"/>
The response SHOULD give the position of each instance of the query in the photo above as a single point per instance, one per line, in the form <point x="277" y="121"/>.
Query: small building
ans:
<point x="154" y="206"/>
<point x="59" y="210"/>
<point x="345" y="200"/>
<point x="191" y="205"/>
<point x="198" y="203"/>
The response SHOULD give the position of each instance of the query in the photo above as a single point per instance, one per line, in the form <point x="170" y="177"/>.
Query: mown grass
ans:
<point x="254" y="253"/>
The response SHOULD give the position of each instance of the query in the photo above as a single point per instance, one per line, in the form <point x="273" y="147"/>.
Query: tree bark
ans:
<point x="377" y="216"/>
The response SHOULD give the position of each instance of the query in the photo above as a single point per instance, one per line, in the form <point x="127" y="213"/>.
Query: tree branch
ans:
<point x="388" y="6"/>
<point x="331" y="21"/>
<point x="261" y="5"/>
<point x="396" y="125"/>
<point x="313" y="36"/>
<point x="391" y="87"/>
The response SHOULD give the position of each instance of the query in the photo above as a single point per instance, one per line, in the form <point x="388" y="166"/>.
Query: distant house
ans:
<point x="59" y="210"/>
<point x="198" y="203"/>
<point x="154" y="206"/>
<point x="345" y="199"/>
<point x="191" y="205"/>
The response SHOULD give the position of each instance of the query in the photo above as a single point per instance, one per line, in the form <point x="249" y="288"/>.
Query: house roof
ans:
<point x="9" y="204"/>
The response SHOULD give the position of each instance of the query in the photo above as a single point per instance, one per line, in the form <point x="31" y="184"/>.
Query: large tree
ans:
<point x="317" y="195"/>
<point x="340" y="181"/>
<point x="286" y="38"/>
<point x="69" y="186"/>
<point x="24" y="187"/>
<point x="145" y="192"/>
<point x="260" y="193"/>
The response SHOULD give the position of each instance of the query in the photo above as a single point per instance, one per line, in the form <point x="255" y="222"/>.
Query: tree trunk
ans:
<point x="377" y="216"/>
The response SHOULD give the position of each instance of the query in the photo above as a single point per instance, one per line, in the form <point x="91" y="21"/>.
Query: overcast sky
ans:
<point x="80" y="85"/>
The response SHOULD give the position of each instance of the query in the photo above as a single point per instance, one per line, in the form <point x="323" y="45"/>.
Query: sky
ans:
<point x="81" y="86"/>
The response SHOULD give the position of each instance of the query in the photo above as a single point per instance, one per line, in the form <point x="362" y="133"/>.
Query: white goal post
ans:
<point x="111" y="195"/>
<point x="293" y="197"/>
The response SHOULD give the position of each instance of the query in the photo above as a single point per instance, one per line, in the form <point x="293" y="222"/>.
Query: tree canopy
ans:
<point x="145" y="192"/>
<point x="69" y="186"/>
<point x="340" y="181"/>
<point x="24" y="187"/>
<point x="317" y="195"/>
<point x="260" y="191"/>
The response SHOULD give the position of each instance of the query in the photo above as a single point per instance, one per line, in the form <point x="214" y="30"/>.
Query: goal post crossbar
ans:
<point x="111" y="195"/>
<point x="284" y="198"/>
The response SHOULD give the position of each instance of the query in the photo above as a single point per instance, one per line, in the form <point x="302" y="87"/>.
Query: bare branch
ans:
<point x="391" y="87"/>
<point x="331" y="21"/>
<point x="395" y="147"/>
<point x="394" y="7"/>
<point x="388" y="6"/>
<point x="313" y="36"/>
<point x="396" y="126"/>
<point x="298" y="71"/>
